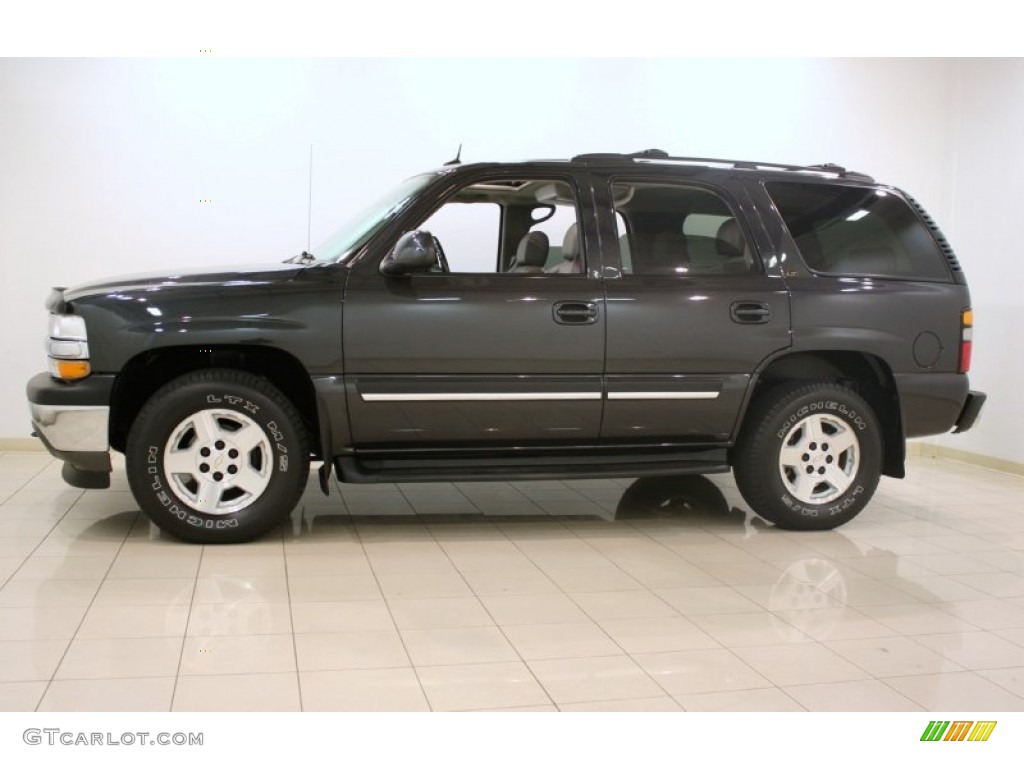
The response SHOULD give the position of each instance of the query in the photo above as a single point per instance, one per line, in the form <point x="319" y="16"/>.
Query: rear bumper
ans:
<point x="73" y="423"/>
<point x="971" y="411"/>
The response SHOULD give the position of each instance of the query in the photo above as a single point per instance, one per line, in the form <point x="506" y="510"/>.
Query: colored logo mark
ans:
<point x="958" y="730"/>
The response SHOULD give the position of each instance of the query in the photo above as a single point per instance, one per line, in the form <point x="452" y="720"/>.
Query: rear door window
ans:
<point x="858" y="231"/>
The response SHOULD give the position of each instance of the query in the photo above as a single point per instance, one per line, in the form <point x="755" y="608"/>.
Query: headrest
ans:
<point x="571" y="243"/>
<point x="729" y="240"/>
<point x="532" y="250"/>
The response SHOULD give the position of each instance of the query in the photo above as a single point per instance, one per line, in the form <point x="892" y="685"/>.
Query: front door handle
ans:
<point x="575" y="312"/>
<point x="750" y="312"/>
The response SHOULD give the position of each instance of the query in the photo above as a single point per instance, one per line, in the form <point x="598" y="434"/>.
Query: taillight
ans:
<point x="966" y="335"/>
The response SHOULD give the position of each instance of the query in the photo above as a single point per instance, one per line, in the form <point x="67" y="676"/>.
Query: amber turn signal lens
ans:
<point x="968" y="318"/>
<point x="72" y="369"/>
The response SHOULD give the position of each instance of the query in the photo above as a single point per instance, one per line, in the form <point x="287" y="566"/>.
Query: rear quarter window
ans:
<point x="857" y="231"/>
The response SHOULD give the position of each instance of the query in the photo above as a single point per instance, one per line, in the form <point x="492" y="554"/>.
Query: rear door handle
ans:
<point x="750" y="312"/>
<point x="575" y="312"/>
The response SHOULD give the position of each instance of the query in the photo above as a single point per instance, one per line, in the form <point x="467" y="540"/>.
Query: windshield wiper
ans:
<point x="302" y="258"/>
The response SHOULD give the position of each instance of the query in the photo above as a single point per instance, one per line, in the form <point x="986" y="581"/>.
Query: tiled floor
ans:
<point x="591" y="595"/>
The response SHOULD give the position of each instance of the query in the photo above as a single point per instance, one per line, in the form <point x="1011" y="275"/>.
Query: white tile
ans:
<point x="481" y="686"/>
<point x="851" y="696"/>
<point x="655" y="704"/>
<point x="1011" y="679"/>
<point x="145" y="592"/>
<point x="341" y="616"/>
<point x="607" y="578"/>
<point x="975" y="650"/>
<point x="739" y="629"/>
<point x="316" y="589"/>
<point x="533" y="609"/>
<point x="237" y="693"/>
<point x="957" y="692"/>
<point x="113" y="621"/>
<point x="438" y="612"/>
<point x="892" y="656"/>
<point x="657" y="635"/>
<point x="421" y="585"/>
<point x="560" y="641"/>
<point x="239" y="619"/>
<point x="42" y="622"/>
<point x="594" y="679"/>
<point x="57" y="568"/>
<point x="148" y="694"/>
<point x="363" y="690"/>
<point x="223" y="590"/>
<point x="237" y="654"/>
<point x="916" y="619"/>
<point x="30" y="593"/>
<point x="463" y="645"/>
<point x="800" y="664"/>
<point x="24" y="660"/>
<point x="21" y="696"/>
<point x="696" y="601"/>
<point x="521" y="581"/>
<point x="623" y="605"/>
<point x="367" y="649"/>
<point x="105" y="658"/>
<point x="700" y="671"/>
<point x="754" y="700"/>
<point x="153" y="566"/>
<point x="842" y="623"/>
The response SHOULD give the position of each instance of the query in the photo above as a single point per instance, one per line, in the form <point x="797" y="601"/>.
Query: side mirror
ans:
<point x="414" y="252"/>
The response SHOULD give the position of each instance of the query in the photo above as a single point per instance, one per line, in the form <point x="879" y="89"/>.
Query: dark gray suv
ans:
<point x="612" y="315"/>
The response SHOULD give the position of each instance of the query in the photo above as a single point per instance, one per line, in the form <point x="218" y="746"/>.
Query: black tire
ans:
<point x="230" y="430"/>
<point x="796" y="481"/>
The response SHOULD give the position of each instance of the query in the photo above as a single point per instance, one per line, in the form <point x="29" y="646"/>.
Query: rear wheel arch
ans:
<point x="868" y="375"/>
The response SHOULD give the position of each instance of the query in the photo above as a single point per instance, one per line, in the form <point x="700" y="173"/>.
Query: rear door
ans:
<point x="501" y="350"/>
<point x="692" y="311"/>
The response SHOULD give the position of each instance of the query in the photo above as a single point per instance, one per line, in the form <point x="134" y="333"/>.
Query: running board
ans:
<point x="422" y="469"/>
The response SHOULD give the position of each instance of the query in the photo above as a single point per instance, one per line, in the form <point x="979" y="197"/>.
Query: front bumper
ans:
<point x="72" y="420"/>
<point x="971" y="411"/>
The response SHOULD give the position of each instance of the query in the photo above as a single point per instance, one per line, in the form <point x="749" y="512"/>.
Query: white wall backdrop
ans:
<point x="103" y="162"/>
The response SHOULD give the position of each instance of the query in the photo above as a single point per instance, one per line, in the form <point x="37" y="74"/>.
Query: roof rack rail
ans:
<point x="659" y="155"/>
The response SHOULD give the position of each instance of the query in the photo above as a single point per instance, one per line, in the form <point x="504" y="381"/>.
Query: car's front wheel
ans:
<point x="809" y="456"/>
<point x="217" y="456"/>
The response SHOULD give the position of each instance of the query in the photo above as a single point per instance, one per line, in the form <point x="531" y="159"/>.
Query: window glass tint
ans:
<point x="857" y="231"/>
<point x="670" y="229"/>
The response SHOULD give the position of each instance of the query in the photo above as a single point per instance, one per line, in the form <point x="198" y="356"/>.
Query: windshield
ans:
<point x="346" y="241"/>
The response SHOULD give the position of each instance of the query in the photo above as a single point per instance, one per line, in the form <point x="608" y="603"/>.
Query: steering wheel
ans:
<point x="442" y="260"/>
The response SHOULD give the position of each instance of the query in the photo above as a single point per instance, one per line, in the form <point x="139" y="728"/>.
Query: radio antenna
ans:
<point x="309" y="214"/>
<point x="457" y="160"/>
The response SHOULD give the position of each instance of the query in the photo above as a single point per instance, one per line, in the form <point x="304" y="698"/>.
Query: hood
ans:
<point x="197" y="276"/>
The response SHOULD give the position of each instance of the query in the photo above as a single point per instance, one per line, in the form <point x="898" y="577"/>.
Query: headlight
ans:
<point x="68" y="348"/>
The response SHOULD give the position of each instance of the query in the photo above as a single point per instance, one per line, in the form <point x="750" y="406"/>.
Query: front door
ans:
<point x="500" y="347"/>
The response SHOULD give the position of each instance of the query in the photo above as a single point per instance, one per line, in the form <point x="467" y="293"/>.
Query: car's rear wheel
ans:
<point x="809" y="456"/>
<point x="217" y="456"/>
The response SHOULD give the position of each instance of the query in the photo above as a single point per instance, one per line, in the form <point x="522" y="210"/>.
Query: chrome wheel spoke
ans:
<point x="791" y="456"/>
<point x="180" y="462"/>
<point x="247" y="438"/>
<point x="251" y="481"/>
<point x="208" y="496"/>
<point x="842" y="442"/>
<point x="206" y="427"/>
<point x="835" y="477"/>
